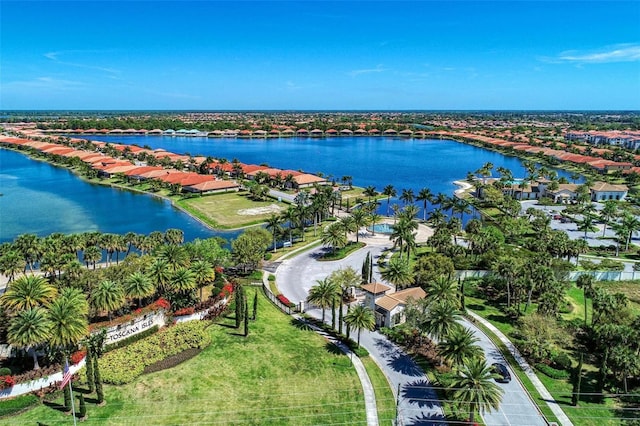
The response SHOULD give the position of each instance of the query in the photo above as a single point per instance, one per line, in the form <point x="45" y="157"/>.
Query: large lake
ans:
<point x="42" y="199"/>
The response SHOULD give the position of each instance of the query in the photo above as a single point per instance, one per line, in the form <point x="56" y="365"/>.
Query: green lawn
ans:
<point x="385" y="401"/>
<point x="279" y="374"/>
<point x="231" y="209"/>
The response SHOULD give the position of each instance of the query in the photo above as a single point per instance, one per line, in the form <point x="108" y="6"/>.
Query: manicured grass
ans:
<point x="343" y="252"/>
<point x="279" y="374"/>
<point x="385" y="401"/>
<point x="225" y="210"/>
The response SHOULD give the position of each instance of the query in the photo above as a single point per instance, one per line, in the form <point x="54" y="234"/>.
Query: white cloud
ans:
<point x="56" y="57"/>
<point x="618" y="53"/>
<point x="44" y="83"/>
<point x="379" y="68"/>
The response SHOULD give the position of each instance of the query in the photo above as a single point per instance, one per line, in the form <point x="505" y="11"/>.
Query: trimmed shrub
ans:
<point x="552" y="372"/>
<point x="4" y="371"/>
<point x="562" y="361"/>
<point x="172" y="361"/>
<point x="126" y="364"/>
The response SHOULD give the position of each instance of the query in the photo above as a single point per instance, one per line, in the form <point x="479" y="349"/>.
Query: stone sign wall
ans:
<point x="135" y="326"/>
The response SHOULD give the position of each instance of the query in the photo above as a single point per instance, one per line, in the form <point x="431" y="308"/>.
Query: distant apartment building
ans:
<point x="626" y="139"/>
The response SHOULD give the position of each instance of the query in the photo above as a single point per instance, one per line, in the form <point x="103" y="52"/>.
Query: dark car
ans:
<point x="501" y="372"/>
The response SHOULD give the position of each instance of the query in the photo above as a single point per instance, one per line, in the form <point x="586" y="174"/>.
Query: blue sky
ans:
<point x="364" y="55"/>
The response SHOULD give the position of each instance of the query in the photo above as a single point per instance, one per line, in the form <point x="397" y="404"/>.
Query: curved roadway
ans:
<point x="417" y="402"/>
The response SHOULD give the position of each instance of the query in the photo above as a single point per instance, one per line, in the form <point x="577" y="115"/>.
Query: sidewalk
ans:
<point x="544" y="393"/>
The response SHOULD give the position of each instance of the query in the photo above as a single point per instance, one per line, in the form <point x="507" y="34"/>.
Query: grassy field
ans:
<point x="231" y="209"/>
<point x="279" y="374"/>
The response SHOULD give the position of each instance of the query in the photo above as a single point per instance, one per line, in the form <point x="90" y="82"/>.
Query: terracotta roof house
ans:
<point x="346" y="132"/>
<point x="316" y="133"/>
<point x="374" y="132"/>
<point x="565" y="193"/>
<point x="389" y="306"/>
<point x="304" y="180"/>
<point x="390" y="132"/>
<point x="212" y="186"/>
<point x="406" y="133"/>
<point x="115" y="169"/>
<point x="260" y="133"/>
<point x="139" y="171"/>
<point x="331" y="132"/>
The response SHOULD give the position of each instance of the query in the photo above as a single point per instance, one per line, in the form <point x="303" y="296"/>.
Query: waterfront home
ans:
<point x="389" y="306"/>
<point x="305" y="180"/>
<point x="212" y="187"/>
<point x="602" y="191"/>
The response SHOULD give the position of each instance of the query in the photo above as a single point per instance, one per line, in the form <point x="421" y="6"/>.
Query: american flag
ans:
<point x="66" y="375"/>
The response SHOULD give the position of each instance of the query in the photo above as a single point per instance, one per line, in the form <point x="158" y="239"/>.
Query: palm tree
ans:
<point x="585" y="282"/>
<point x="398" y="272"/>
<point x="475" y="387"/>
<point x="160" y="273"/>
<point x="461" y="206"/>
<point x="29" y="329"/>
<point x="333" y="237"/>
<point x="442" y="289"/>
<point x="273" y="223"/>
<point x="370" y="192"/>
<point x="407" y="196"/>
<point x="360" y="218"/>
<point x="138" y="286"/>
<point x="425" y="196"/>
<point x="12" y="263"/>
<point x="27" y="292"/>
<point x="204" y="274"/>
<point x="30" y="246"/>
<point x="360" y="318"/>
<point x="183" y="280"/>
<point x="389" y="191"/>
<point x="348" y="224"/>
<point x="459" y="347"/>
<point x="291" y="217"/>
<point x="107" y="296"/>
<point x="92" y="255"/>
<point x="440" y="320"/>
<point x="374" y="218"/>
<point x="323" y="294"/>
<point x="609" y="211"/>
<point x="68" y="317"/>
<point x="175" y="256"/>
<point x="587" y="224"/>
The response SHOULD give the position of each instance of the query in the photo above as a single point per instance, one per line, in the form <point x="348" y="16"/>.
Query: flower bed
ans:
<point x="7" y="381"/>
<point x="283" y="299"/>
<point x="77" y="356"/>
<point x="124" y="365"/>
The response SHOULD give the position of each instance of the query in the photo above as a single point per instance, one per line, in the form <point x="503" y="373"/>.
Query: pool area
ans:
<point x="381" y="228"/>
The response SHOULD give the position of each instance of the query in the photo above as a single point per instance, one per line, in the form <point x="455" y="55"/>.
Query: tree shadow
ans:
<point x="404" y="364"/>
<point x="301" y="324"/>
<point x="426" y="420"/>
<point x="420" y="393"/>
<point x="476" y="307"/>
<point x="385" y="346"/>
<point x="332" y="348"/>
<point x="56" y="406"/>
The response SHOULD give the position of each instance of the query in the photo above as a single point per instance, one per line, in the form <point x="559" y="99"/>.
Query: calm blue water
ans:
<point x="381" y="228"/>
<point x="42" y="199"/>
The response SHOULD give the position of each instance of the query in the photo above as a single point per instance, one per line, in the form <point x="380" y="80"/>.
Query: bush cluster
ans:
<point x="283" y="299"/>
<point x="133" y="338"/>
<point x="7" y="382"/>
<point x="77" y="356"/>
<point x="552" y="372"/>
<point x="126" y="364"/>
<point x="37" y="374"/>
<point x="562" y="361"/>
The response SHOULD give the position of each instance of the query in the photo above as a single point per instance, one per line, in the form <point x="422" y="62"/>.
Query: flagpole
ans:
<point x="73" y="404"/>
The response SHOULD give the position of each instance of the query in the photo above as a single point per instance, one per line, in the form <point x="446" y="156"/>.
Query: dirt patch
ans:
<point x="271" y="208"/>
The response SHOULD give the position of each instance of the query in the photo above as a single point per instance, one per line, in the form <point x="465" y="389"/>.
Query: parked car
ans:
<point x="501" y="372"/>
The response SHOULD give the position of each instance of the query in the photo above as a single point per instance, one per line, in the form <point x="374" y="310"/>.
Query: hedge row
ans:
<point x="552" y="372"/>
<point x="125" y="364"/>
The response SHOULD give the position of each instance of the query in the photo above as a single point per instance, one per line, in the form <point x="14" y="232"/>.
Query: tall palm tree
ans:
<point x="92" y="255"/>
<point x="374" y="218"/>
<point x="360" y="318"/>
<point x="407" y="196"/>
<point x="608" y="213"/>
<point x="107" y="296"/>
<point x="425" y="195"/>
<point x="27" y="292"/>
<point x="30" y="246"/>
<point x="585" y="282"/>
<point x="389" y="191"/>
<point x="12" y="263"/>
<point x="459" y="347"/>
<point x="398" y="272"/>
<point x="138" y="286"/>
<point x="461" y="206"/>
<point x="323" y="294"/>
<point x="370" y="192"/>
<point x="360" y="218"/>
<point x="29" y="329"/>
<point x="68" y="317"/>
<point x="273" y="224"/>
<point x="348" y="224"/>
<point x="204" y="274"/>
<point x="475" y="387"/>
<point x="291" y="217"/>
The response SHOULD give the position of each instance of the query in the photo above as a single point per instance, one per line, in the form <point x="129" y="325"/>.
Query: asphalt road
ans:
<point x="418" y="404"/>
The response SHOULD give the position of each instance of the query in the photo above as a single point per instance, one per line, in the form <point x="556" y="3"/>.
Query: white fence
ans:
<point x="35" y="385"/>
<point x="573" y="275"/>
